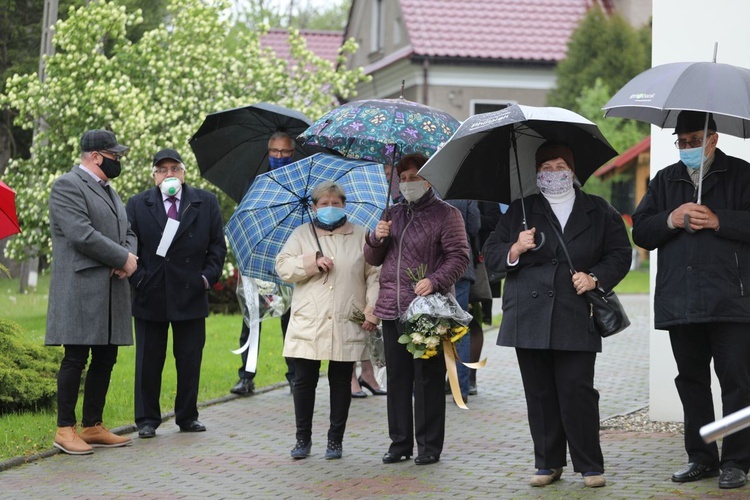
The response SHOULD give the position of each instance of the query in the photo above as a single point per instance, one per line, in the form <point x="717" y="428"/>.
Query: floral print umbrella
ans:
<point x="382" y="130"/>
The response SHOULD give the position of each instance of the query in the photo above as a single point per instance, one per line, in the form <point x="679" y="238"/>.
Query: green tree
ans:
<point x="295" y="14"/>
<point x="153" y="93"/>
<point x="602" y="46"/>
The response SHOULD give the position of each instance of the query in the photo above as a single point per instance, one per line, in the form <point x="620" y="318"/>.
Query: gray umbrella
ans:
<point x="658" y="95"/>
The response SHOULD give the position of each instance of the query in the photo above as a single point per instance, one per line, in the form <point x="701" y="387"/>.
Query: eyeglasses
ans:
<point x="175" y="169"/>
<point x="282" y="152"/>
<point x="692" y="143"/>
<point x="118" y="156"/>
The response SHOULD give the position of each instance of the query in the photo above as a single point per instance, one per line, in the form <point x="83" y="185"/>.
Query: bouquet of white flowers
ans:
<point x="431" y="319"/>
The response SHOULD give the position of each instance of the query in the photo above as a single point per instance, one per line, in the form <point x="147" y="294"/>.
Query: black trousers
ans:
<point x="694" y="346"/>
<point x="245" y="333"/>
<point x="563" y="408"/>
<point x="188" y="339"/>
<point x="307" y="372"/>
<point x="103" y="359"/>
<point x="420" y="379"/>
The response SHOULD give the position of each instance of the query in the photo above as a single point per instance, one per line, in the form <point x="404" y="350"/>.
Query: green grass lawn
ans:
<point x="30" y="432"/>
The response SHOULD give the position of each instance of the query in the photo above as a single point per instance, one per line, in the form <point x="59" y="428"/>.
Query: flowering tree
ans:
<point x="153" y="94"/>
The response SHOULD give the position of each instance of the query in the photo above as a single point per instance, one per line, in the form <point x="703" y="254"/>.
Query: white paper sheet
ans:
<point x="167" y="236"/>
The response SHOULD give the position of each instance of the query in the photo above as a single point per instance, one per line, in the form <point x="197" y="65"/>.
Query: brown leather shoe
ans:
<point x="68" y="440"/>
<point x="545" y="479"/>
<point x="99" y="437"/>
<point x="596" y="481"/>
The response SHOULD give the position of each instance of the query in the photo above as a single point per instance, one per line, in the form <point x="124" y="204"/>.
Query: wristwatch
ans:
<point x="596" y="281"/>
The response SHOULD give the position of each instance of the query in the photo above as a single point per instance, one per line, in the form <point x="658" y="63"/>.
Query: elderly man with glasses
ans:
<point x="281" y="149"/>
<point x="701" y="294"/>
<point x="181" y="252"/>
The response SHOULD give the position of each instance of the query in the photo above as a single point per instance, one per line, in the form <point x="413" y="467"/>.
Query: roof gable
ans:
<point x="324" y="44"/>
<point x="530" y="30"/>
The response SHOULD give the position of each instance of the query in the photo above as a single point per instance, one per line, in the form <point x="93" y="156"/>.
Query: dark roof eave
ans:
<point x="482" y="61"/>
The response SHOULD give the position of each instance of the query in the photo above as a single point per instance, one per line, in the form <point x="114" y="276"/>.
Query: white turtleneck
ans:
<point x="562" y="205"/>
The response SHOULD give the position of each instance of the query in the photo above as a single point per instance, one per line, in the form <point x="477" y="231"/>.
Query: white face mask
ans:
<point x="170" y="186"/>
<point x="554" y="182"/>
<point x="412" y="191"/>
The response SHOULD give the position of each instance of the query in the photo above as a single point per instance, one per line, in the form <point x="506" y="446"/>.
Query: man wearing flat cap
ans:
<point x="702" y="296"/>
<point x="181" y="252"/>
<point x="93" y="251"/>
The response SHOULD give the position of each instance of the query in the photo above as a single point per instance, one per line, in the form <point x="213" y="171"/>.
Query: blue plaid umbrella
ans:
<point x="279" y="201"/>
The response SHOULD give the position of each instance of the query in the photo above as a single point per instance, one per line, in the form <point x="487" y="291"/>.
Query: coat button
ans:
<point x="329" y="317"/>
<point x="330" y="287"/>
<point x="689" y="268"/>
<point x="187" y="259"/>
<point x="190" y="235"/>
<point x="554" y="262"/>
<point x="187" y="285"/>
<point x="534" y="295"/>
<point x="550" y="294"/>
<point x="166" y="258"/>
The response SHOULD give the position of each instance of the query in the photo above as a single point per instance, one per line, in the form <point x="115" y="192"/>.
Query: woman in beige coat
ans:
<point x="329" y="288"/>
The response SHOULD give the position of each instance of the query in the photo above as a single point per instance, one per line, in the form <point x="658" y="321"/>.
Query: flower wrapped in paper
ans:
<point x="432" y="324"/>
<point x="259" y="300"/>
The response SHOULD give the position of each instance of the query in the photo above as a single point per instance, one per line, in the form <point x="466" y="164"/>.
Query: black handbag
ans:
<point x="606" y="309"/>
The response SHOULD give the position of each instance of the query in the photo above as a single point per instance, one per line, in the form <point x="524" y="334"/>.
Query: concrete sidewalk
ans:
<point x="488" y="451"/>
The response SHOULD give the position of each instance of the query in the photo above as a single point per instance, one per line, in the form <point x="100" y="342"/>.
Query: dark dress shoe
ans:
<point x="147" y="431"/>
<point x="243" y="387"/>
<point x="194" y="426"/>
<point x="732" y="477"/>
<point x="359" y="394"/>
<point x="426" y="459"/>
<point x="301" y="449"/>
<point x="375" y="392"/>
<point x="694" y="472"/>
<point x="392" y="458"/>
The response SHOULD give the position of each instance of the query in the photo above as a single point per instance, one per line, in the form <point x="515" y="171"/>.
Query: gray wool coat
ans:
<point x="90" y="237"/>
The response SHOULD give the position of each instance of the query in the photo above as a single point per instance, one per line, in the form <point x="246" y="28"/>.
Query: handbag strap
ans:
<point x="562" y="242"/>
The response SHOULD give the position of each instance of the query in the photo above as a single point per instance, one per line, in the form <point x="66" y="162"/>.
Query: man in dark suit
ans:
<point x="181" y="252"/>
<point x="93" y="250"/>
<point x="280" y="153"/>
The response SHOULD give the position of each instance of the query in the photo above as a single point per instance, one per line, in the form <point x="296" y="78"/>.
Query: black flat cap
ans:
<point x="165" y="154"/>
<point x="101" y="140"/>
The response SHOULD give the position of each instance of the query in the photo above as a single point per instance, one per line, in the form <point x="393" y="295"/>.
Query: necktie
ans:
<point x="172" y="212"/>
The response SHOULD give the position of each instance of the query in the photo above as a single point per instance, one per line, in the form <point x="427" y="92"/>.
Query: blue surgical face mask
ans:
<point x="692" y="158"/>
<point x="330" y="215"/>
<point x="279" y="162"/>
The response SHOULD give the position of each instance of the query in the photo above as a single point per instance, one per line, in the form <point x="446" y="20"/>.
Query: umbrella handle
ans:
<point x="541" y="243"/>
<point x="687" y="225"/>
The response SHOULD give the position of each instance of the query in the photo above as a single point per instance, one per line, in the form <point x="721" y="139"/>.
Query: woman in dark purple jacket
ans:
<point x="422" y="230"/>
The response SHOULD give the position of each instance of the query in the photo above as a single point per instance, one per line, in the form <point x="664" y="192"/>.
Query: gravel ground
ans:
<point x="638" y="421"/>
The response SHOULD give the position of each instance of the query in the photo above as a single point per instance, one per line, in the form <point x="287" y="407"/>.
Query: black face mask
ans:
<point x="111" y="168"/>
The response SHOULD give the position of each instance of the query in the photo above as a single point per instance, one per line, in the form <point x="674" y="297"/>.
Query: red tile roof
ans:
<point x="625" y="158"/>
<point x="324" y="44"/>
<point x="527" y="30"/>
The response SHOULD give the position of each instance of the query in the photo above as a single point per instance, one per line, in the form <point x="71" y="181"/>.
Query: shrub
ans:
<point x="28" y="372"/>
<point x="222" y="298"/>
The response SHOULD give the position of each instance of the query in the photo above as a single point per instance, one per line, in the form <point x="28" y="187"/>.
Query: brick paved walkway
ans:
<point x="487" y="454"/>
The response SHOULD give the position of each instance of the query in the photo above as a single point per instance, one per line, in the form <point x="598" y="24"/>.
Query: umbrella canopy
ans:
<point x="382" y="130"/>
<point x="8" y="218"/>
<point x="491" y="156"/>
<point x="658" y="95"/>
<point x="231" y="146"/>
<point x="279" y="201"/>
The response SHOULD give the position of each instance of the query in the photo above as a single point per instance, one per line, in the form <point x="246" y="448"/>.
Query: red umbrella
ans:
<point x="8" y="218"/>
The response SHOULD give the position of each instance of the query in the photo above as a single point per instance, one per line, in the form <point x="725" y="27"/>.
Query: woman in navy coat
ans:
<point x="546" y="316"/>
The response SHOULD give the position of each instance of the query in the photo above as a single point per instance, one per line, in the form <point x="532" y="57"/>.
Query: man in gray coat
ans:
<point x="93" y="251"/>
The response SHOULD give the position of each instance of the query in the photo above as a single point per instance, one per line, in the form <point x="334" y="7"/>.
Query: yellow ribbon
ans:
<point x="449" y="350"/>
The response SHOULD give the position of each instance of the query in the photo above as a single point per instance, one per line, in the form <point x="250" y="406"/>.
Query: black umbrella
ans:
<point x="491" y="156"/>
<point x="231" y="146"/>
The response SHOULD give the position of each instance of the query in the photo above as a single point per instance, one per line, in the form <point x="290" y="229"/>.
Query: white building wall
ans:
<point x="685" y="30"/>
